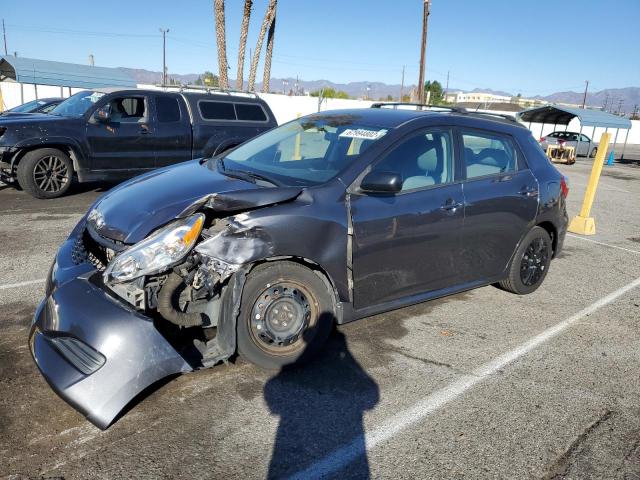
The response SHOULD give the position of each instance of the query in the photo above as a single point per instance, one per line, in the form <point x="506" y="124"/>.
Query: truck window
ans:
<point x="250" y="112"/>
<point x="168" y="109"/>
<point x="128" y="109"/>
<point x="211" y="110"/>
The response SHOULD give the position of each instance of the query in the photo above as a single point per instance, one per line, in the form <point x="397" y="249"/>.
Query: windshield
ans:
<point x="25" y="107"/>
<point x="77" y="105"/>
<point x="305" y="152"/>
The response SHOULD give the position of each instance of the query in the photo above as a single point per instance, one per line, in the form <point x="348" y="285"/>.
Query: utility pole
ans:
<point x="401" y="85"/>
<point x="423" y="48"/>
<point x="4" y="34"/>
<point x="584" y="99"/>
<point x="164" y="55"/>
<point x="446" y="89"/>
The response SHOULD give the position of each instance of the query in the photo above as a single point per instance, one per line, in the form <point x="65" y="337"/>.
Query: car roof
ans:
<point x="393" y="118"/>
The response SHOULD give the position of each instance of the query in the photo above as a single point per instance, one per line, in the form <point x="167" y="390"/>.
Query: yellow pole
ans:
<point x="583" y="223"/>
<point x="296" y="149"/>
<point x="1" y="101"/>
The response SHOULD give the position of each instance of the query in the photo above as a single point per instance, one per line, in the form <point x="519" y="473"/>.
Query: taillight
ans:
<point x="564" y="186"/>
<point x="542" y="139"/>
<point x="561" y="142"/>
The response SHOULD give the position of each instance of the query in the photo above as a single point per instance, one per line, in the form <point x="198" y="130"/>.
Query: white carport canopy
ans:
<point x="561" y="115"/>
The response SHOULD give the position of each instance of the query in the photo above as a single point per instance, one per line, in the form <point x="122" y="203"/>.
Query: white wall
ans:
<point x="287" y="108"/>
<point x="14" y="94"/>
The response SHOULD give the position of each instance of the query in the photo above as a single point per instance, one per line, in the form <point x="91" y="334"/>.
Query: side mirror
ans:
<point x="103" y="114"/>
<point x="381" y="182"/>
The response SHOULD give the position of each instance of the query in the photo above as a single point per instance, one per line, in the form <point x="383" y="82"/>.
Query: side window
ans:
<point x="584" y="138"/>
<point x="250" y="112"/>
<point x="168" y="109"/>
<point x="487" y="154"/>
<point x="128" y="110"/>
<point x="211" y="110"/>
<point x="422" y="160"/>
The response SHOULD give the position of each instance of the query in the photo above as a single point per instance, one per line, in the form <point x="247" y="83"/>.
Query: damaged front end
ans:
<point x="117" y="318"/>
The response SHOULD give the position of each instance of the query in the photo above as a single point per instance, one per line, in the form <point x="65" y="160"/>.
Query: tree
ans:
<point x="267" y="59"/>
<point x="210" y="80"/>
<point x="244" y="30"/>
<point x="266" y="22"/>
<point x="329" y="92"/>
<point x="437" y="94"/>
<point x="221" y="40"/>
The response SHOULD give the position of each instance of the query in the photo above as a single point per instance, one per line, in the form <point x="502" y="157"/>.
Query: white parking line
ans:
<point x="21" y="284"/>
<point x="603" y="244"/>
<point x="344" y="455"/>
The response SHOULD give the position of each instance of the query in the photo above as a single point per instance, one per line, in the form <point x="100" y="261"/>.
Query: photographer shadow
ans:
<point x="321" y="408"/>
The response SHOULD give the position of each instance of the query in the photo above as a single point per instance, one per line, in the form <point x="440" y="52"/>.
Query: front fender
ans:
<point x="54" y="142"/>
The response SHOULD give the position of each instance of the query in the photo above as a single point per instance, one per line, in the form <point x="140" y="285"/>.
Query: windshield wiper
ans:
<point x="253" y="176"/>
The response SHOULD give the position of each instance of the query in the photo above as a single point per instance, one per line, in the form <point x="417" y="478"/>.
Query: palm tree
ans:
<point x="267" y="58"/>
<point x="221" y="40"/>
<point x="244" y="30"/>
<point x="266" y="22"/>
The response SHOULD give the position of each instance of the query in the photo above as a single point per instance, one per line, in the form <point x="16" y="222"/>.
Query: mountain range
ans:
<point x="609" y="98"/>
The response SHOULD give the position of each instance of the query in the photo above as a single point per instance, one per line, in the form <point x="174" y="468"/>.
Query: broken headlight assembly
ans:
<point x="157" y="252"/>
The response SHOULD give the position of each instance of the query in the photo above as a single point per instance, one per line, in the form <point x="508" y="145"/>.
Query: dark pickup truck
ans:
<point x="109" y="134"/>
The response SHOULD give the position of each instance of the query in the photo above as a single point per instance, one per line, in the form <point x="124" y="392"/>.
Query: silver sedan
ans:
<point x="583" y="147"/>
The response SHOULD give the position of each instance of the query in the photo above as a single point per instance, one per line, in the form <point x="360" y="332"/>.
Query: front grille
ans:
<point x="86" y="249"/>
<point x="78" y="353"/>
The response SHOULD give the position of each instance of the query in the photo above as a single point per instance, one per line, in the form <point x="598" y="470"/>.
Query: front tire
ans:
<point x="45" y="173"/>
<point x="530" y="263"/>
<point x="286" y="315"/>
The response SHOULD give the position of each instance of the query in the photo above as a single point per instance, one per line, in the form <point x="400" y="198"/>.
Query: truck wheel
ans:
<point x="286" y="315"/>
<point x="530" y="264"/>
<point x="45" y="173"/>
<point x="593" y="152"/>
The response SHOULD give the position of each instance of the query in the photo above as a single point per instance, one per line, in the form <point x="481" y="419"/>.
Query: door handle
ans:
<point x="450" y="206"/>
<point x="529" y="192"/>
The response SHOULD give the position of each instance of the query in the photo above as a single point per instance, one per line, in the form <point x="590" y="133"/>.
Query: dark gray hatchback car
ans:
<point x="329" y="218"/>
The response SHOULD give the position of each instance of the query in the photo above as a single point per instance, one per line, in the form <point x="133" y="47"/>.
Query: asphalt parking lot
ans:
<point x="482" y="384"/>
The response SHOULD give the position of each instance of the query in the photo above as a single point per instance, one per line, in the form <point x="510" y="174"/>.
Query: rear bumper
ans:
<point x="94" y="352"/>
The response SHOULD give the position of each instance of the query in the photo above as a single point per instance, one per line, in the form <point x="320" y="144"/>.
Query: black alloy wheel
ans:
<point x="530" y="264"/>
<point x="45" y="173"/>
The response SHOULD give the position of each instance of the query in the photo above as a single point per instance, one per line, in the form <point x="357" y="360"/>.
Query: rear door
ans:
<point x="172" y="130"/>
<point x="501" y="202"/>
<point x="126" y="143"/>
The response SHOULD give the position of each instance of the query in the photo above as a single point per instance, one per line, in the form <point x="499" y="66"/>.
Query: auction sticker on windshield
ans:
<point x="363" y="133"/>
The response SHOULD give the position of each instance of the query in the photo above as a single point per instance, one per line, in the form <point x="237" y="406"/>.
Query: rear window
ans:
<point x="168" y="109"/>
<point x="250" y="112"/>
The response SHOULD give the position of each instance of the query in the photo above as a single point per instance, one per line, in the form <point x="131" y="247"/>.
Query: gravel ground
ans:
<point x="477" y="385"/>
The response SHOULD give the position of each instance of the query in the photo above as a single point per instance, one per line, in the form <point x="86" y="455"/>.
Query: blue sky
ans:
<point x="499" y="44"/>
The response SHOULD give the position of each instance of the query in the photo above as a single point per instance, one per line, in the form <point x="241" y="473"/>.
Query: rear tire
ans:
<point x="593" y="153"/>
<point x="286" y="315"/>
<point x="530" y="263"/>
<point x="45" y="173"/>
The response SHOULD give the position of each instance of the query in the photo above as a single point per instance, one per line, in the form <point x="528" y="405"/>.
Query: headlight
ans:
<point x="96" y="218"/>
<point x="156" y="252"/>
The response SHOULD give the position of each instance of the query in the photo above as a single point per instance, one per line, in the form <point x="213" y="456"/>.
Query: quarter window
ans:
<point x="422" y="161"/>
<point x="168" y="109"/>
<point x="488" y="154"/>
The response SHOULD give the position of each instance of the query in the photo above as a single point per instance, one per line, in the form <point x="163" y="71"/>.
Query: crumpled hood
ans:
<point x="137" y="207"/>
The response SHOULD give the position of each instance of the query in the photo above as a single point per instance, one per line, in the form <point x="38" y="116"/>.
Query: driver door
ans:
<point x="406" y="244"/>
<point x="125" y="143"/>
